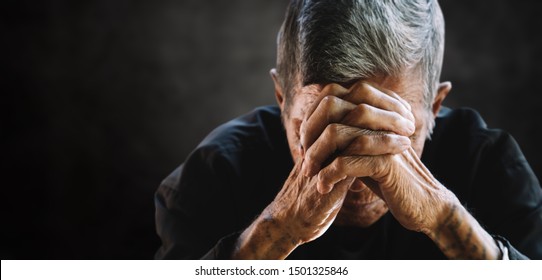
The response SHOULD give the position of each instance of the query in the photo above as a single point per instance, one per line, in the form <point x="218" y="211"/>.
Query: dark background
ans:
<point x="102" y="99"/>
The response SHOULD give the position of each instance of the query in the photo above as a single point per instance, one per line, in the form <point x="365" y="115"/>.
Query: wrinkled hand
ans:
<point x="303" y="213"/>
<point x="415" y="198"/>
<point x="362" y="120"/>
<point x="359" y="133"/>
<point x="298" y="214"/>
<point x="353" y="134"/>
<point x="363" y="132"/>
<point x="341" y="119"/>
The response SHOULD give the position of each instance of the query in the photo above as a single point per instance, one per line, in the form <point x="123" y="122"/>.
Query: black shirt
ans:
<point x="237" y="170"/>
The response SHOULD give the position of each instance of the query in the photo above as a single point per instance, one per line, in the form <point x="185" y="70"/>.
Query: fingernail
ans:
<point x="411" y="127"/>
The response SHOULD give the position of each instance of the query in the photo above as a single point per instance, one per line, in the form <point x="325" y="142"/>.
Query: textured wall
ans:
<point x="102" y="99"/>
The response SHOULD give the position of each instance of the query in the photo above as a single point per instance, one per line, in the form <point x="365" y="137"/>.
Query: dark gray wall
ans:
<point x="102" y="99"/>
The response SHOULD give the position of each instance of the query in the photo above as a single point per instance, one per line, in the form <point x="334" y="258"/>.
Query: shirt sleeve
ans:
<point x="507" y="198"/>
<point x="507" y="250"/>
<point x="223" y="249"/>
<point x="195" y="209"/>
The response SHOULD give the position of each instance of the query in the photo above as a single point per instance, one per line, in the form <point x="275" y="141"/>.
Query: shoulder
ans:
<point x="224" y="183"/>
<point x="224" y="163"/>
<point x="260" y="128"/>
<point x="462" y="134"/>
<point x="241" y="142"/>
<point x="464" y="126"/>
<point x="463" y="149"/>
<point x="202" y="200"/>
<point x="465" y="130"/>
<point x="233" y="151"/>
<point x="487" y="171"/>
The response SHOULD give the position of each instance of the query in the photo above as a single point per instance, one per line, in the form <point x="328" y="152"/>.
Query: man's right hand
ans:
<point x="342" y="119"/>
<point x="298" y="214"/>
<point x="363" y="121"/>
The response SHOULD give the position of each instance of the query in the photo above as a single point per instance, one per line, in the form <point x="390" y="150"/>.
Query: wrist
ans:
<point x="445" y="213"/>
<point x="266" y="238"/>
<point x="460" y="236"/>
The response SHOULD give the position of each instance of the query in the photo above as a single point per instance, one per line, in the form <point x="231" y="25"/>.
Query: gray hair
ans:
<point x="324" y="41"/>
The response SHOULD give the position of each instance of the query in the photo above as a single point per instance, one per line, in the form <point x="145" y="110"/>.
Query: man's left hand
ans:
<point x="415" y="198"/>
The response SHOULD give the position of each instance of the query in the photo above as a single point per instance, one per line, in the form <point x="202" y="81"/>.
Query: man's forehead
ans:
<point x="312" y="89"/>
<point x="409" y="85"/>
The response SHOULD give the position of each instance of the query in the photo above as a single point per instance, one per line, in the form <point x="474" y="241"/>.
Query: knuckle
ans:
<point x="367" y="90"/>
<point x="332" y="88"/>
<point x="387" y="139"/>
<point x="362" y="87"/>
<point x="361" y="142"/>
<point x="310" y="157"/>
<point x="336" y="87"/>
<point x="329" y="102"/>
<point x="362" y="110"/>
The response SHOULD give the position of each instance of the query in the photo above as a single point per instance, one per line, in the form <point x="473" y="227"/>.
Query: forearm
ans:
<point x="264" y="239"/>
<point x="460" y="236"/>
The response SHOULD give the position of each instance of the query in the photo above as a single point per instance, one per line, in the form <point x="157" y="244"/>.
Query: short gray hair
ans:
<point x="324" y="41"/>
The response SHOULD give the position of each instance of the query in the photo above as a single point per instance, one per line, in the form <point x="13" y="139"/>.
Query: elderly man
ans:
<point x="359" y="160"/>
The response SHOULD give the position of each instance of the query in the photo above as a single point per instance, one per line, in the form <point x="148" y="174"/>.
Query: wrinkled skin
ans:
<point x="329" y="119"/>
<point x="357" y="153"/>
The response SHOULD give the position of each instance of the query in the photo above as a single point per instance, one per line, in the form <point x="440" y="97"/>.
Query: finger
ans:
<point x="364" y="93"/>
<point x="349" y="166"/>
<point x="339" y="190"/>
<point x="328" y="90"/>
<point x="369" y="117"/>
<point x="331" y="109"/>
<point x="404" y="102"/>
<point x="335" y="137"/>
<point x="351" y="142"/>
<point x="335" y="199"/>
<point x="378" y="144"/>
